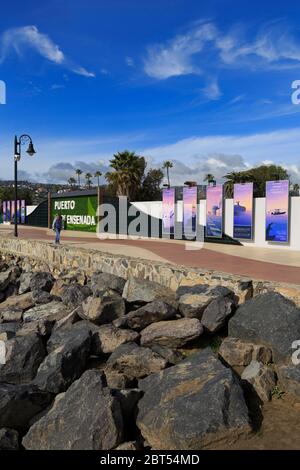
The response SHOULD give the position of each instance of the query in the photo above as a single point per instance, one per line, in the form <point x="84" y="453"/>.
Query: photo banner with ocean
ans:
<point x="190" y="195"/>
<point x="214" y="211"/>
<point x="243" y="211"/>
<point x="168" y="211"/>
<point x="277" y="211"/>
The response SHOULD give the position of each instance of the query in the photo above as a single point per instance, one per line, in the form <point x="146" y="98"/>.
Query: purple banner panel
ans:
<point x="214" y="211"/>
<point x="190" y="211"/>
<point x="277" y="211"/>
<point x="168" y="211"/>
<point x="243" y="211"/>
<point x="23" y="211"/>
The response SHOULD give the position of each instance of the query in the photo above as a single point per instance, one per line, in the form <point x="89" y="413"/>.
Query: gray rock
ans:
<point x="236" y="352"/>
<point x="86" y="417"/>
<point x="69" y="319"/>
<point x="41" y="281"/>
<point x="193" y="305"/>
<point x="25" y="280"/>
<point x="193" y="405"/>
<point x="262" y="378"/>
<point x="101" y="310"/>
<point x="9" y="439"/>
<point x="12" y="314"/>
<point x="262" y="354"/>
<point x="289" y="379"/>
<point x="141" y="291"/>
<point x="8" y="330"/>
<point x="268" y="319"/>
<point x="23" y="357"/>
<point x="196" y="289"/>
<point x="102" y="281"/>
<point x="18" y="302"/>
<point x="61" y="336"/>
<point x="108" y="338"/>
<point x="173" y="357"/>
<point x="42" y="297"/>
<point x="75" y="294"/>
<point x="173" y="333"/>
<point x="130" y="445"/>
<point x="66" y="361"/>
<point x="39" y="327"/>
<point x="52" y="311"/>
<point x="135" y="361"/>
<point x="20" y="403"/>
<point x="215" y="315"/>
<point x="8" y="276"/>
<point x="117" y="380"/>
<point x="150" y="313"/>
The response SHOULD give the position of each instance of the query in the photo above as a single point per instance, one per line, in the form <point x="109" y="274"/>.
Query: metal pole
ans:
<point x="16" y="185"/>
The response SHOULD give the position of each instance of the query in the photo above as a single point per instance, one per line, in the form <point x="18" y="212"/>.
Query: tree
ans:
<point x="209" y="178"/>
<point x="296" y="188"/>
<point x="78" y="173"/>
<point x="128" y="171"/>
<point x="258" y="175"/>
<point x="88" y="177"/>
<point x="97" y="175"/>
<point x="150" y="190"/>
<point x="166" y="166"/>
<point x="72" y="181"/>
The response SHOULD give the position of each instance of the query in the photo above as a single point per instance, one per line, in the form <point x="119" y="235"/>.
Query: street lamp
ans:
<point x="23" y="139"/>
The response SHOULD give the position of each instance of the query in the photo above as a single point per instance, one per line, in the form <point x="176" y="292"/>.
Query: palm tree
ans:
<point x="209" y="178"/>
<point x="72" y="181"/>
<point x="97" y="175"/>
<point x="233" y="178"/>
<point x="78" y="173"/>
<point x="128" y="172"/>
<point x="166" y="166"/>
<point x="88" y="177"/>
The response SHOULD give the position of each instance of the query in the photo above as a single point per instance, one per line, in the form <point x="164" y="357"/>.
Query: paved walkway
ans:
<point x="258" y="263"/>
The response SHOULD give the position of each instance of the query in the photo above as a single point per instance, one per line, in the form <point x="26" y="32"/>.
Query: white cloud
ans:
<point x="21" y="38"/>
<point x="203" y="46"/>
<point x="212" y="90"/>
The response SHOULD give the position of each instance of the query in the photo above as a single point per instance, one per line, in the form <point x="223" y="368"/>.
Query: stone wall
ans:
<point x="37" y="255"/>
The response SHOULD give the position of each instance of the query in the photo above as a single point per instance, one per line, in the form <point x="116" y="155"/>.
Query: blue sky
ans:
<point x="205" y="84"/>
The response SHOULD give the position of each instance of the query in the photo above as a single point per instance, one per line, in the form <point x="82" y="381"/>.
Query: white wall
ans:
<point x="154" y="208"/>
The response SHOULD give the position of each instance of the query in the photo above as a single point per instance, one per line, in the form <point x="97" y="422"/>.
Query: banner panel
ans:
<point x="78" y="213"/>
<point x="18" y="211"/>
<point x="4" y="211"/>
<point x="23" y="211"/>
<point x="190" y="211"/>
<point x="214" y="211"/>
<point x="168" y="211"/>
<point x="277" y="211"/>
<point x="12" y="211"/>
<point x="243" y="211"/>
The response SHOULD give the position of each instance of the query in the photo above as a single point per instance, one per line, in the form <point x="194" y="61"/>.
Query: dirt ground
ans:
<point x="279" y="429"/>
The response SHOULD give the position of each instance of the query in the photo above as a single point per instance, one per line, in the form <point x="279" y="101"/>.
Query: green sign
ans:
<point x="78" y="213"/>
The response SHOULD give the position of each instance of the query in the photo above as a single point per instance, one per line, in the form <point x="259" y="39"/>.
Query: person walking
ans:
<point x="57" y="227"/>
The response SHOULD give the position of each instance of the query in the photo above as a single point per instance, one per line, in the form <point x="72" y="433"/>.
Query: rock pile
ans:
<point x="105" y="363"/>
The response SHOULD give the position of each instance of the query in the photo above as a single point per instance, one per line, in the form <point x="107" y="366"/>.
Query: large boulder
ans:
<point x="9" y="439"/>
<point x="193" y="405"/>
<point x="150" y="313"/>
<point x="172" y="333"/>
<point x="86" y="417"/>
<point x="141" y="291"/>
<point x="216" y="314"/>
<point x="67" y="359"/>
<point x="11" y="314"/>
<point x="41" y="281"/>
<point x="268" y="319"/>
<point x="23" y="357"/>
<point x="135" y="361"/>
<point x="101" y="310"/>
<point x="108" y="338"/>
<point x="236" y="352"/>
<point x="100" y="282"/>
<point x="20" y="302"/>
<point x="20" y="403"/>
<point x="74" y="294"/>
<point x="54" y="310"/>
<point x="24" y="282"/>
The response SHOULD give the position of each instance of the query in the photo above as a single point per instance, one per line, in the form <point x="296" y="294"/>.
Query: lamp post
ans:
<point x="23" y="139"/>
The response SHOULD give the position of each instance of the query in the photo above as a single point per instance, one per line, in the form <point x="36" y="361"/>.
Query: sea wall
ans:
<point x="40" y="255"/>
